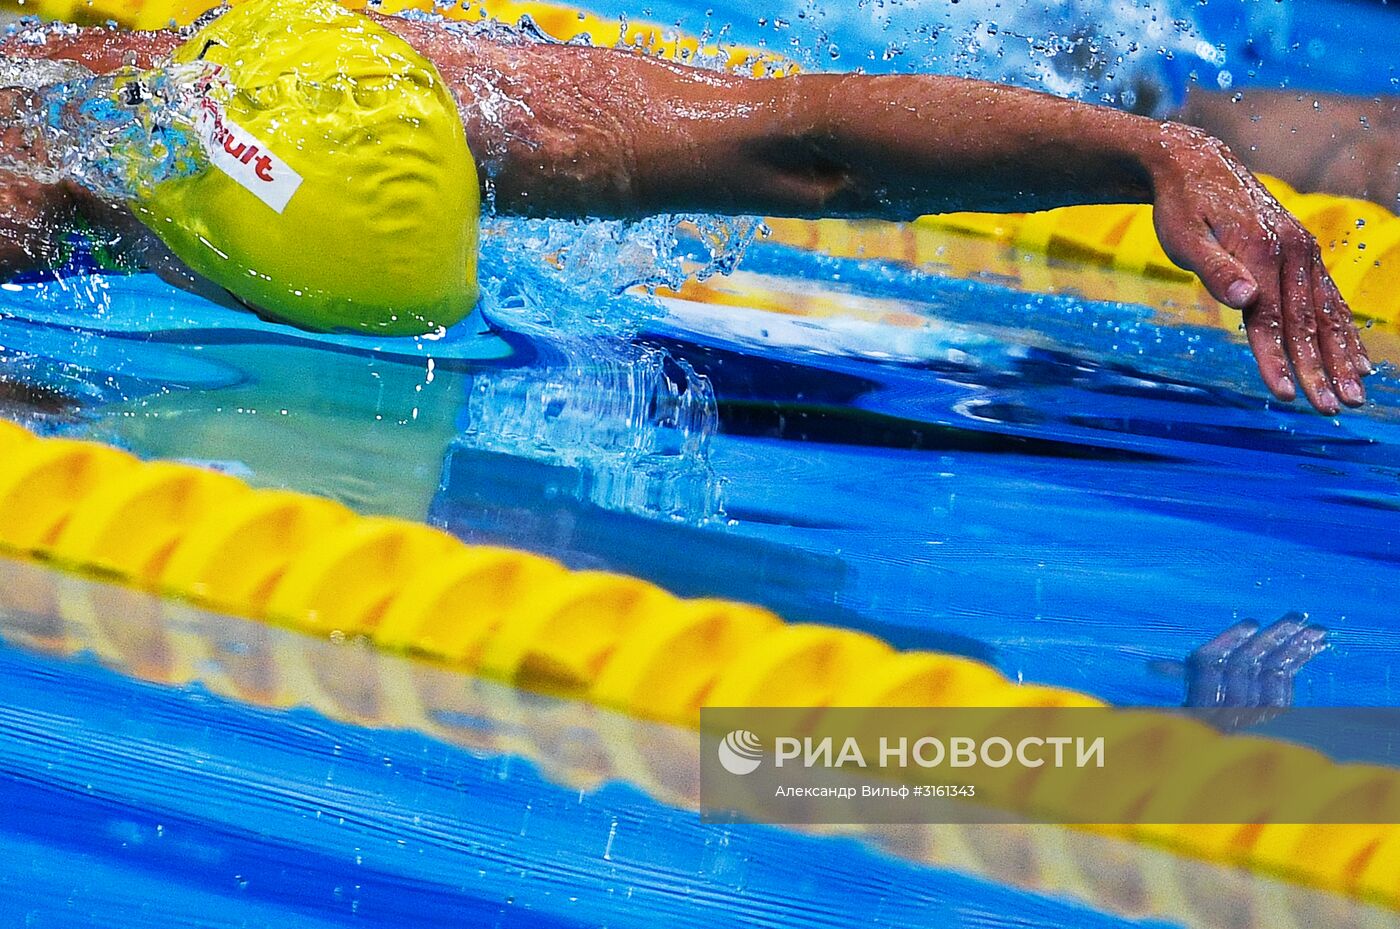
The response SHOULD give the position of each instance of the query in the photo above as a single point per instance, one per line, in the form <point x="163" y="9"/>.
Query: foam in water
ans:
<point x="631" y="420"/>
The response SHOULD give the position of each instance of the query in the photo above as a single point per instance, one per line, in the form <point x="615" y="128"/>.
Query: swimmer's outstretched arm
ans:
<point x="579" y="131"/>
<point x="568" y="130"/>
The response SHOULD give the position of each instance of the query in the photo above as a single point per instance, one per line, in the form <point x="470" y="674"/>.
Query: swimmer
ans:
<point x="575" y="131"/>
<point x="1245" y="71"/>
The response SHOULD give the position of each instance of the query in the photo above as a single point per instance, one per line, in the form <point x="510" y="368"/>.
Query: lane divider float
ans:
<point x="312" y="565"/>
<point x="578" y="745"/>
<point x="1359" y="241"/>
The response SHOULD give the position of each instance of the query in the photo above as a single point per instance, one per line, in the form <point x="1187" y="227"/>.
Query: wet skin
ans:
<point x="1347" y="145"/>
<point x="1246" y="666"/>
<point x="570" y="131"/>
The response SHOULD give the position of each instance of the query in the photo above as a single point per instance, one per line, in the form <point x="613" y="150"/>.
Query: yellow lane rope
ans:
<point x="584" y="747"/>
<point x="1360" y="241"/>
<point x="565" y="23"/>
<point x="312" y="565"/>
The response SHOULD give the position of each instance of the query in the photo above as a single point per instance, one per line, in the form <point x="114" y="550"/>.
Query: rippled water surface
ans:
<point x="162" y="766"/>
<point x="1047" y="482"/>
<point x="1081" y="491"/>
<point x="1070" y="473"/>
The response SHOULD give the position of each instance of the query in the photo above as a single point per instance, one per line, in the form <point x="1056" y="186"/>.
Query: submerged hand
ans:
<point x="1216" y="219"/>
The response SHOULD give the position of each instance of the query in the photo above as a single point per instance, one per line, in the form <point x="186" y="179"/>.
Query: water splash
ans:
<point x="630" y="420"/>
<point x="591" y="278"/>
<point x="1106" y="51"/>
<point x="115" y="134"/>
<point x="37" y="73"/>
<point x="120" y="135"/>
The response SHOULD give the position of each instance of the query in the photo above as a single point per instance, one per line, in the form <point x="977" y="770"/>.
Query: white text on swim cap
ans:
<point x="243" y="157"/>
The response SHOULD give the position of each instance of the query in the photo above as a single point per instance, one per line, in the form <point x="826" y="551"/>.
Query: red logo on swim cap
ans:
<point x="243" y="151"/>
<point x="240" y="155"/>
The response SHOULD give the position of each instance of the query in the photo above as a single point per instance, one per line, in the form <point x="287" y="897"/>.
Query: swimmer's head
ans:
<point x="339" y="192"/>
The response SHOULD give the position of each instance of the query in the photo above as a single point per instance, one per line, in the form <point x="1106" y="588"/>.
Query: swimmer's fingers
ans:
<point x="1319" y="333"/>
<point x="1301" y="318"/>
<point x="1297" y="325"/>
<point x="1263" y="324"/>
<point x="1229" y="275"/>
<point x="1247" y="663"/>
<point x="1205" y="667"/>
<point x="1340" y="316"/>
<point x="1336" y="335"/>
<point x="1353" y="332"/>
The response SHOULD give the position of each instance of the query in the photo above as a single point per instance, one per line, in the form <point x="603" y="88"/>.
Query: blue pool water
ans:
<point x="1080" y="491"/>
<point x="188" y="803"/>
<point x="1337" y="46"/>
<point x="392" y="793"/>
<point x="1040" y="481"/>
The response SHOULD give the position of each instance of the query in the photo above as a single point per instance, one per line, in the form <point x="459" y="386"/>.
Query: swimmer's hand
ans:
<point x="895" y="146"/>
<point x="1216" y="219"/>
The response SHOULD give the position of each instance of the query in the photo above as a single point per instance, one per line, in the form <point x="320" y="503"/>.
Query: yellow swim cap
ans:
<point x="339" y="191"/>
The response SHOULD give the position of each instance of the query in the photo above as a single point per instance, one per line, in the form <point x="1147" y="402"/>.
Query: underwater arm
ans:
<point x="570" y="131"/>
<point x="29" y="209"/>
